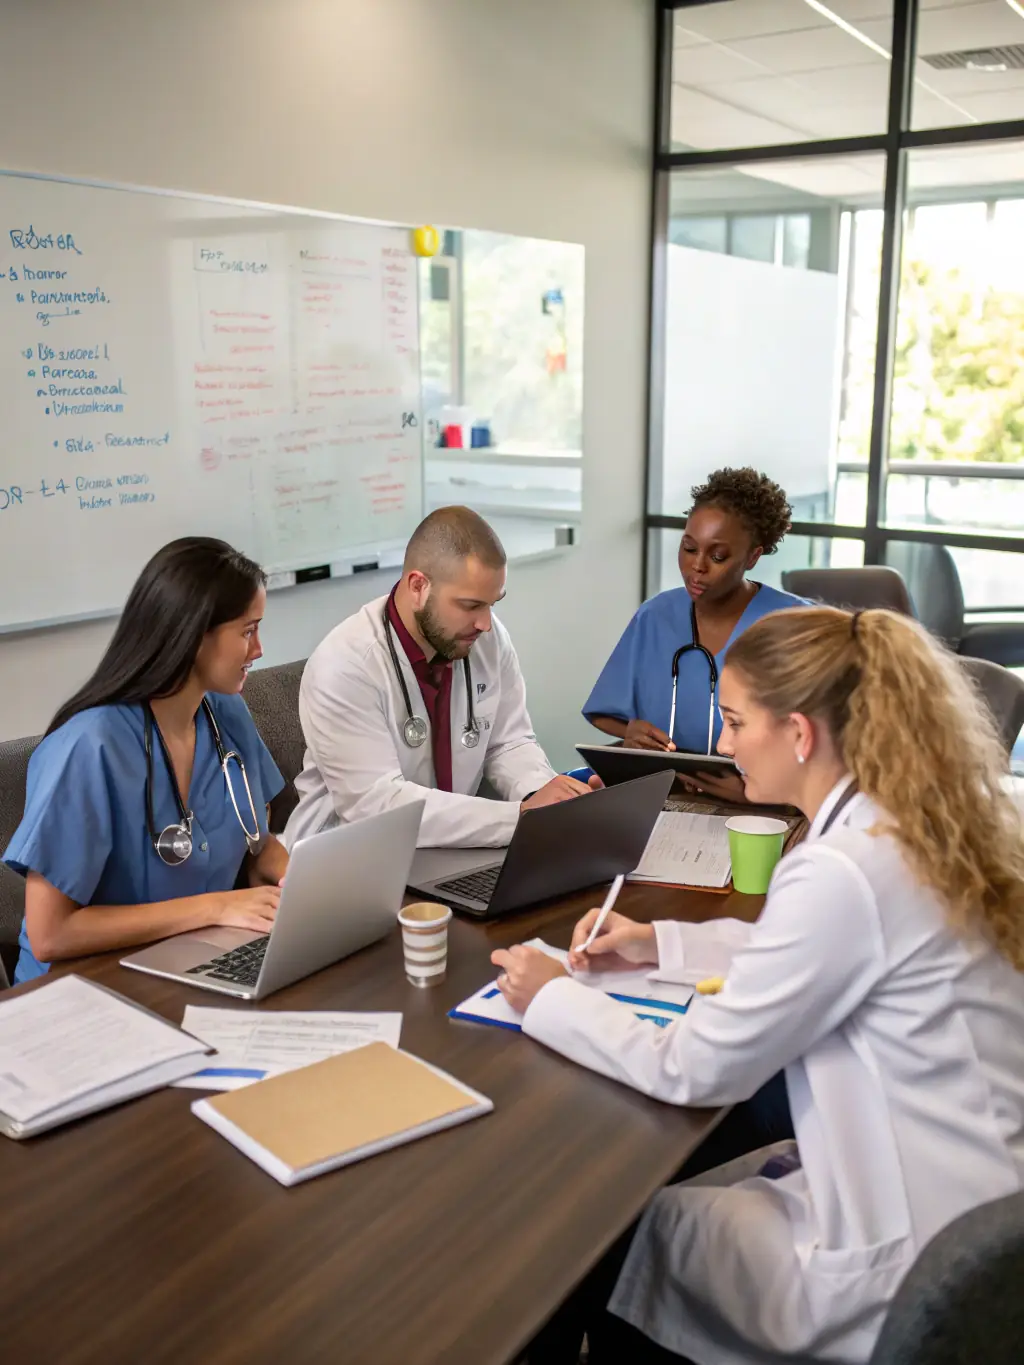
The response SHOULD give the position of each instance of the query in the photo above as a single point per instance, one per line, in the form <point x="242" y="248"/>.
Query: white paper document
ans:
<point x="254" y="1044"/>
<point x="686" y="850"/>
<point x="65" y="1045"/>
<point x="658" y="1001"/>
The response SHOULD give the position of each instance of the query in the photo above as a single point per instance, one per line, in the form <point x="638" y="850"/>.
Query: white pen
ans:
<point x="602" y="914"/>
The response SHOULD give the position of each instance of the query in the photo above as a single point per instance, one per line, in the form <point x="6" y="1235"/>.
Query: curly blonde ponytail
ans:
<point x="919" y="741"/>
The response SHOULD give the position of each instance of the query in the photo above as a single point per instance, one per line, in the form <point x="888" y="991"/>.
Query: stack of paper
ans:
<point x="254" y="1044"/>
<point x="72" y="1047"/>
<point x="686" y="850"/>
<point x="660" y="1002"/>
<point x="320" y="1117"/>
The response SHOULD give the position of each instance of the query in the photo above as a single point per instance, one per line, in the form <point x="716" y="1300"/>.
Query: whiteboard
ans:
<point x="179" y="365"/>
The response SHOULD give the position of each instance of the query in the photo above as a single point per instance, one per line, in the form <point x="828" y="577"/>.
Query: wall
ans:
<point x="516" y="115"/>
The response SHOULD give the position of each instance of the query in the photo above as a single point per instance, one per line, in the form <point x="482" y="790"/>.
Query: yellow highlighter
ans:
<point x="711" y="986"/>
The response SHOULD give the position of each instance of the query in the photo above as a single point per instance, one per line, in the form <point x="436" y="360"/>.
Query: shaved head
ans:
<point x="446" y="539"/>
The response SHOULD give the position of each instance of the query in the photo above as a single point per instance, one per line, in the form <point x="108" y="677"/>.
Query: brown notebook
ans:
<point x="305" y="1122"/>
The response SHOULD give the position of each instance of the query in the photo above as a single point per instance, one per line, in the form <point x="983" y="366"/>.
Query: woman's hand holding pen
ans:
<point x="620" y="943"/>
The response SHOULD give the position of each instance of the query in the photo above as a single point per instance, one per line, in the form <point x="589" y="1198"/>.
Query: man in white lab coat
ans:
<point x="419" y="695"/>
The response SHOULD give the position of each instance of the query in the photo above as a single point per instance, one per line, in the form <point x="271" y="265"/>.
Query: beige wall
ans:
<point x="525" y="116"/>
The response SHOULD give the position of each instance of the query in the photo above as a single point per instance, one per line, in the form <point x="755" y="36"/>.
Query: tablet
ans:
<point x="613" y="763"/>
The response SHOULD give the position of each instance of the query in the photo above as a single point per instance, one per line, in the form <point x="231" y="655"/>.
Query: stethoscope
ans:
<point x="173" y="845"/>
<point x="712" y="676"/>
<point x="414" y="728"/>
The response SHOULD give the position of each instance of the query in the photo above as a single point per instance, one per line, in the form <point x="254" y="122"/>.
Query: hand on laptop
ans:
<point x="560" y="788"/>
<point x="728" y="788"/>
<point x="641" y="734"/>
<point x="253" y="908"/>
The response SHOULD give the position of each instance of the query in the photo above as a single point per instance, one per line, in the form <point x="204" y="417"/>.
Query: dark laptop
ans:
<point x="555" y="850"/>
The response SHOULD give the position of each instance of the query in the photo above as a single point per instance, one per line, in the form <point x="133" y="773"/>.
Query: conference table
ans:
<point x="140" y="1235"/>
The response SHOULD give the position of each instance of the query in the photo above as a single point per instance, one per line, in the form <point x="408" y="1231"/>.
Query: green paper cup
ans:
<point x="755" y="846"/>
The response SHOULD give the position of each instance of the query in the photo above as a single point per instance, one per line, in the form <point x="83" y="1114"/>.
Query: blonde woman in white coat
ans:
<point x="883" y="975"/>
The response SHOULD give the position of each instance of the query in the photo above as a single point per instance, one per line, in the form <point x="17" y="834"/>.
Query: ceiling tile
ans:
<point x="700" y="121"/>
<point x="744" y="19"/>
<point x="807" y="50"/>
<point x="707" y="64"/>
<point x="950" y="30"/>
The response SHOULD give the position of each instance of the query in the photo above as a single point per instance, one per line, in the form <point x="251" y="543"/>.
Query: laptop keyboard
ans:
<point x="475" y="886"/>
<point x="241" y="966"/>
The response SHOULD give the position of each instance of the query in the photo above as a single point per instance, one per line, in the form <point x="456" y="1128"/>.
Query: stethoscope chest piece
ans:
<point x="414" y="731"/>
<point x="470" y="738"/>
<point x="174" y="845"/>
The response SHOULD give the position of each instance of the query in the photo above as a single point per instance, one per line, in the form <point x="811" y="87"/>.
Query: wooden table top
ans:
<point x="140" y="1235"/>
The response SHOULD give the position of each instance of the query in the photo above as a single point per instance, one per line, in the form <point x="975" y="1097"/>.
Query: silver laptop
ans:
<point x="342" y="891"/>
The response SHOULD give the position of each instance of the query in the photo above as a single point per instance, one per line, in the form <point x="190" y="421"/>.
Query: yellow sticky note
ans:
<point x="711" y="986"/>
<point x="425" y="241"/>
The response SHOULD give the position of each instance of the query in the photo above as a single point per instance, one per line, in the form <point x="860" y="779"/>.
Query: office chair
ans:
<point x="1003" y="693"/>
<point x="856" y="589"/>
<point x="961" y="1300"/>
<point x="933" y="581"/>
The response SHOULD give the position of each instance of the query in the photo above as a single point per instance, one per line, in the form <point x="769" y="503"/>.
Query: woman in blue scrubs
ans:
<point x="737" y="516"/>
<point x="131" y="830"/>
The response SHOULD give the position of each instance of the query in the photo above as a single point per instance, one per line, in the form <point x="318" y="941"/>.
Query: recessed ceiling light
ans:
<point x="847" y="27"/>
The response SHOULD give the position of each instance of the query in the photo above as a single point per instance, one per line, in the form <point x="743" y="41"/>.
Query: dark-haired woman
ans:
<point x="135" y="828"/>
<point x="737" y="516"/>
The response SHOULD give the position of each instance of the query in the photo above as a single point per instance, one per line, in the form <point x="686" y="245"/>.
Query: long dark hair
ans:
<point x="189" y="587"/>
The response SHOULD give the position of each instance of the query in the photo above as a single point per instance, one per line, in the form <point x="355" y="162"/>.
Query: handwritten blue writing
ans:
<point x="14" y="495"/>
<point x="81" y="390"/>
<point x="83" y="409"/>
<point x="221" y="262"/>
<point x="70" y="352"/>
<point x="27" y="239"/>
<point x="47" y="318"/>
<point x="78" y="445"/>
<point x="112" y="439"/>
<point x="59" y="296"/>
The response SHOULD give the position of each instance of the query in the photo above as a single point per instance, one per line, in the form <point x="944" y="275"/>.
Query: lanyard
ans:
<point x="839" y="807"/>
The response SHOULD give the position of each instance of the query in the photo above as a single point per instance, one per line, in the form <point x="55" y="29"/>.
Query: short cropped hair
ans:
<point x="756" y="499"/>
<point x="448" y="537"/>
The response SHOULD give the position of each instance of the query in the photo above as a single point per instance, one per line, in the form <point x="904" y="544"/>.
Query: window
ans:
<point x="970" y="64"/>
<point x="956" y="443"/>
<point x="850" y="321"/>
<point x="754" y="346"/>
<point x="502" y="364"/>
<point x="749" y="73"/>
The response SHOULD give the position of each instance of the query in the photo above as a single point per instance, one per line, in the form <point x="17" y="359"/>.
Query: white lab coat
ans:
<point x="357" y="764"/>
<point x="903" y="1047"/>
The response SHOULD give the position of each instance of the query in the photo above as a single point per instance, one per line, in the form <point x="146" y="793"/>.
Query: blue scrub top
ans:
<point x="84" y="827"/>
<point x="636" y="682"/>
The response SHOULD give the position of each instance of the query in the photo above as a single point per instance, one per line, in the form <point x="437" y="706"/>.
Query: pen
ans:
<point x="609" y="901"/>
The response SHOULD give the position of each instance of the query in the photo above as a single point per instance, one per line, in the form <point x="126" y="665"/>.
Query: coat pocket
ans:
<point x="851" y="1288"/>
